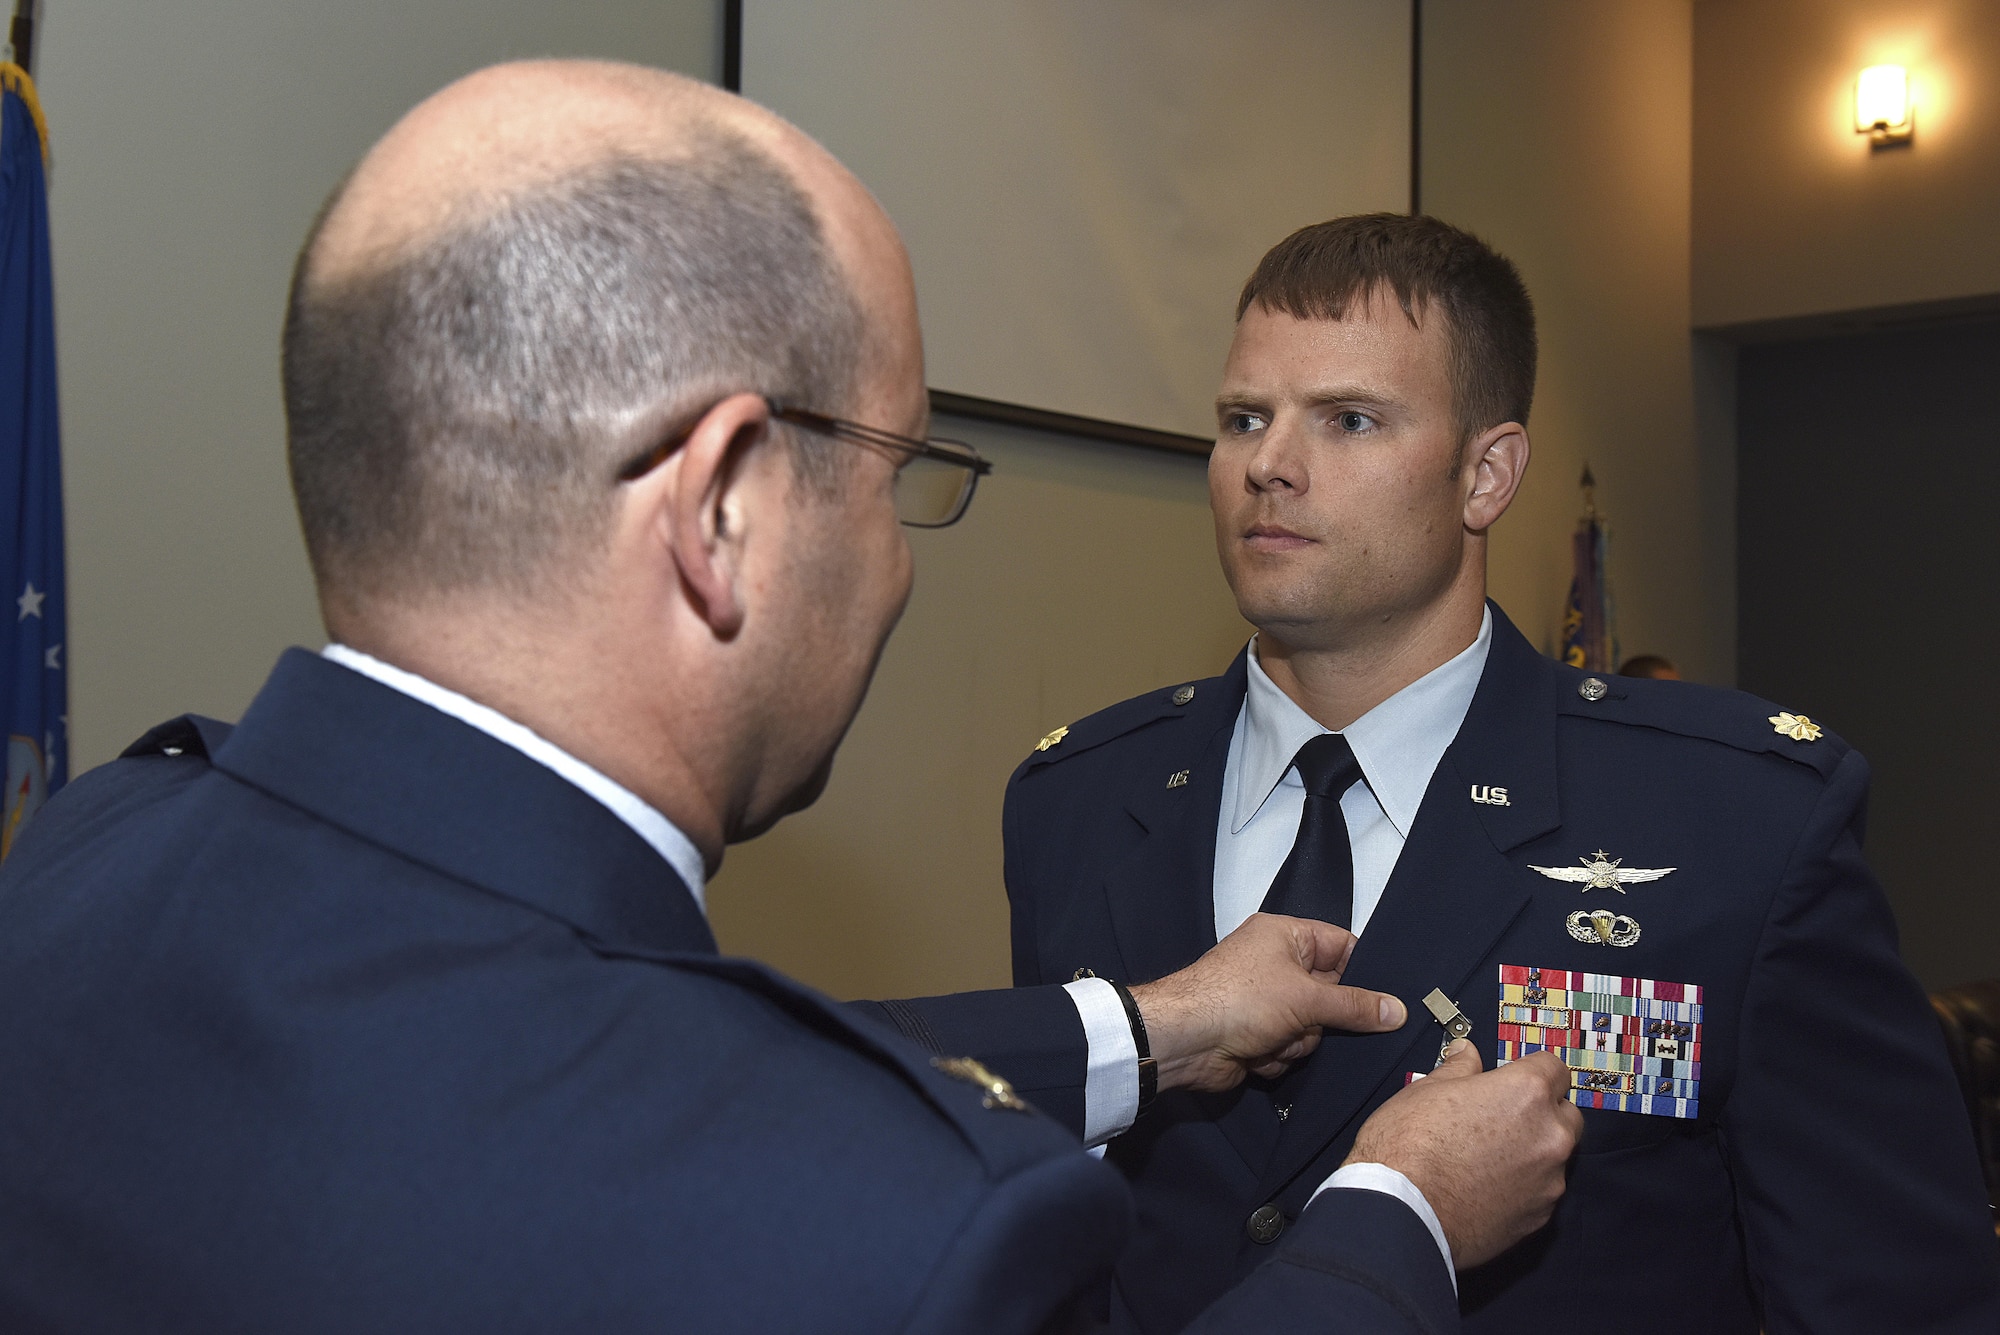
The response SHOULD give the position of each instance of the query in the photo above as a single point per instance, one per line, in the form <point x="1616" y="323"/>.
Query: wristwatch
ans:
<point x="1149" y="1070"/>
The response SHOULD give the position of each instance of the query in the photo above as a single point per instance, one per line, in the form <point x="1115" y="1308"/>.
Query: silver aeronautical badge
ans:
<point x="1599" y="872"/>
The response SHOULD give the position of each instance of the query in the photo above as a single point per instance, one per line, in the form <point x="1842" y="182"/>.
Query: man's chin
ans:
<point x="808" y="792"/>
<point x="793" y="802"/>
<point x="1289" y="614"/>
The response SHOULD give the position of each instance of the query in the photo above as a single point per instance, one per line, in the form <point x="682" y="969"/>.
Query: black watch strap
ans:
<point x="1149" y="1070"/>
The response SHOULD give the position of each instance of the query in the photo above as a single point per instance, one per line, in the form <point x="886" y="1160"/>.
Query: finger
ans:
<point x="1354" y="1009"/>
<point x="1299" y="1048"/>
<point x="1461" y="1059"/>
<point x="1549" y="1069"/>
<point x="1323" y="948"/>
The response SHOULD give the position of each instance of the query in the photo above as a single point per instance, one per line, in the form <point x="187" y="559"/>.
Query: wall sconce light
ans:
<point x="1882" y="108"/>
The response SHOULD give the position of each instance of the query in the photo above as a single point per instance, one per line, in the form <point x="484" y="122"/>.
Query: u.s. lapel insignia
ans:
<point x="997" y="1092"/>
<point x="1599" y="872"/>
<point x="1178" y="779"/>
<point x="1795" y="726"/>
<point x="1053" y="738"/>
<point x="1488" y="796"/>
<point x="1603" y="927"/>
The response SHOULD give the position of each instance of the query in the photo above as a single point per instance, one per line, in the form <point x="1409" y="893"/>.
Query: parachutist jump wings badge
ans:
<point x="1599" y="872"/>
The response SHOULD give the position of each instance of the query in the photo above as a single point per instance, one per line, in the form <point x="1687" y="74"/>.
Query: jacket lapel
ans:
<point x="399" y="773"/>
<point x="1452" y="896"/>
<point x="1161" y="895"/>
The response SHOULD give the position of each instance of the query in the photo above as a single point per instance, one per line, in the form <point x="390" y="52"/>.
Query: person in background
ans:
<point x="1656" y="666"/>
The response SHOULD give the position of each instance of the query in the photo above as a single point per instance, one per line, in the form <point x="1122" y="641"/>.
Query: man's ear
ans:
<point x="694" y="503"/>
<point x="1495" y="462"/>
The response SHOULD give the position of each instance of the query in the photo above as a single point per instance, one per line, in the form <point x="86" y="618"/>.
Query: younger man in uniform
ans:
<point x="1661" y="881"/>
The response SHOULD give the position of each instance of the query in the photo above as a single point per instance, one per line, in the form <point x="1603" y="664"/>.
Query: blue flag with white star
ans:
<point x="34" y="676"/>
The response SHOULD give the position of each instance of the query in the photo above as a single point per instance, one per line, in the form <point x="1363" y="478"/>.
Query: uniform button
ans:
<point x="1266" y="1222"/>
<point x="1592" y="689"/>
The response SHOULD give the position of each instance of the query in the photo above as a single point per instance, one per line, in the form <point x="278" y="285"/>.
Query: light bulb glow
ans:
<point x="1882" y="99"/>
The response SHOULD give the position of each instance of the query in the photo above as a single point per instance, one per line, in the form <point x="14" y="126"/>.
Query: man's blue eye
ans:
<point x="1355" y="421"/>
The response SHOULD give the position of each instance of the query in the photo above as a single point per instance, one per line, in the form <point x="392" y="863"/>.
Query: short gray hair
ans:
<point x="451" y="419"/>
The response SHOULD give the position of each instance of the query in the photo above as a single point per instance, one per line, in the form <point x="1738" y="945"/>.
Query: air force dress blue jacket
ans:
<point x="355" y="1018"/>
<point x="1772" y="1134"/>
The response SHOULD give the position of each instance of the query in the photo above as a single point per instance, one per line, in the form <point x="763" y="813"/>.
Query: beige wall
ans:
<point x="1559" y="131"/>
<point x="192" y="144"/>
<point x="1793" y="213"/>
<point x="1069" y="177"/>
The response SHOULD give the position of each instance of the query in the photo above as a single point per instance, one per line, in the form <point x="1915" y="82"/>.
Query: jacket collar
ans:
<point x="1398" y="743"/>
<point x="646" y="821"/>
<point x="397" y="772"/>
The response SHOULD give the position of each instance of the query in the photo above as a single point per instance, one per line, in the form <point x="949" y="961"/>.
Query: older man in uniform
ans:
<point x="394" y="1007"/>
<point x="1661" y="882"/>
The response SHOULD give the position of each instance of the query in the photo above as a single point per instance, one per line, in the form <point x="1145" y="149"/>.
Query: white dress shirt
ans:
<point x="1112" y="1077"/>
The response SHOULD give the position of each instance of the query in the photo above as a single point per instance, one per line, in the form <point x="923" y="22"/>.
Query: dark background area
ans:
<point x="1869" y="599"/>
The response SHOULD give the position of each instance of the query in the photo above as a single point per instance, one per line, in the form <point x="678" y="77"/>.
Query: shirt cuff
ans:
<point x="1381" y="1177"/>
<point x="1111" y="1063"/>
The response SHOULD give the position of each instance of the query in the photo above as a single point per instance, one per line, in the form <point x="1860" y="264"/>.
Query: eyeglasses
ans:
<point x="934" y="483"/>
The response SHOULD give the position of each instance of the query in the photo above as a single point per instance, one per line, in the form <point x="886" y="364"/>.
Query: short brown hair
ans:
<point x="1318" y="272"/>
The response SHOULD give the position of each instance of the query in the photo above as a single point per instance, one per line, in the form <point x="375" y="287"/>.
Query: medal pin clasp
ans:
<point x="1446" y="1012"/>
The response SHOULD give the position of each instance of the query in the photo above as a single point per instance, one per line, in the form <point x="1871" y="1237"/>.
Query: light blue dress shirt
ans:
<point x="1398" y="743"/>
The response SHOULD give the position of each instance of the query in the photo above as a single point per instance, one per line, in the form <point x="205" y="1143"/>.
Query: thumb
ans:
<point x="1460" y="1060"/>
<point x="1353" y="1009"/>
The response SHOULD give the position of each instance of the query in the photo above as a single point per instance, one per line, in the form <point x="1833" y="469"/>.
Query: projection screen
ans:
<point x="1085" y="184"/>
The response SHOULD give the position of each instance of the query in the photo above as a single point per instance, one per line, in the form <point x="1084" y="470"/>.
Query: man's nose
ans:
<point x="1278" y="464"/>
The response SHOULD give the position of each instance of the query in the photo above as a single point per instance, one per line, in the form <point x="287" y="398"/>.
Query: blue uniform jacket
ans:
<point x="354" y="1018"/>
<point x="1827" y="1182"/>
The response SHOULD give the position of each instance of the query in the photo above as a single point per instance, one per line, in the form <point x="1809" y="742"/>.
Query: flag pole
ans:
<point x="21" y="34"/>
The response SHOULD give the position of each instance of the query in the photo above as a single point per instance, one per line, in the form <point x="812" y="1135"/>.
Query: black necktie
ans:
<point x="1317" y="880"/>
